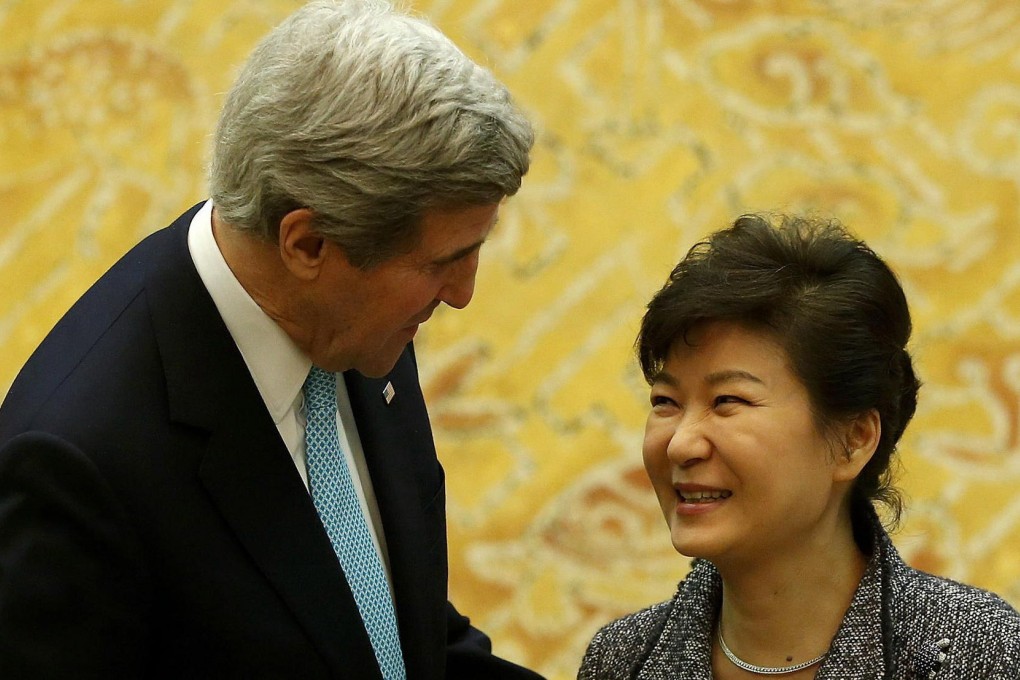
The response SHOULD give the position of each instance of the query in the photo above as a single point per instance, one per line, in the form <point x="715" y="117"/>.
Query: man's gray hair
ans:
<point x="368" y="117"/>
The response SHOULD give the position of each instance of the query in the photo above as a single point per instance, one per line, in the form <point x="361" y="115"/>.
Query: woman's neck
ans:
<point x="784" y="608"/>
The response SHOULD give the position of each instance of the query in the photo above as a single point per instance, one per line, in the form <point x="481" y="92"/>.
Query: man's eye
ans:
<point x="659" y="400"/>
<point x="437" y="267"/>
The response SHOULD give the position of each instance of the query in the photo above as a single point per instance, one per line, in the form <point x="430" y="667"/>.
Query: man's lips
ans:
<point x="413" y="326"/>
<point x="421" y="318"/>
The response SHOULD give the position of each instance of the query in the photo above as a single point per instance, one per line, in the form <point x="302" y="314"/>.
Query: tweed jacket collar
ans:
<point x="902" y="624"/>
<point x="685" y="642"/>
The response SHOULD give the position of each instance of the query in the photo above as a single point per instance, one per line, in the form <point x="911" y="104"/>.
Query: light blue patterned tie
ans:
<point x="337" y="504"/>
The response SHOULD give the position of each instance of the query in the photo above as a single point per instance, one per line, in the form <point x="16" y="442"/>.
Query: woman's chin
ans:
<point x="692" y="546"/>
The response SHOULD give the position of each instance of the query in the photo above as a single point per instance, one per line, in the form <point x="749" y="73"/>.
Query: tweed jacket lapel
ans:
<point x="685" y="645"/>
<point x="245" y="466"/>
<point x="852" y="654"/>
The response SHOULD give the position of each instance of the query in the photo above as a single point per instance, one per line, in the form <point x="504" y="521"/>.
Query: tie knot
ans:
<point x="320" y="390"/>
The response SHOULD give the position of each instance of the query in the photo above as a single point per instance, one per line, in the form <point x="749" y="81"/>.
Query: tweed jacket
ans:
<point x="901" y="624"/>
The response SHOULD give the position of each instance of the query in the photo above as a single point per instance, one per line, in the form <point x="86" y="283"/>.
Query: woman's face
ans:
<point x="739" y="467"/>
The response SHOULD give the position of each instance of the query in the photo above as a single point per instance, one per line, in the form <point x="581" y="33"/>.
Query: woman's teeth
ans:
<point x="703" y="496"/>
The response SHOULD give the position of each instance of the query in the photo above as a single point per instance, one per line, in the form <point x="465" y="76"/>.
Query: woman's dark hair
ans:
<point x="831" y="303"/>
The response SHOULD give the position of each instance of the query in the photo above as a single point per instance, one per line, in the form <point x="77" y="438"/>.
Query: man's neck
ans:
<point x="256" y="266"/>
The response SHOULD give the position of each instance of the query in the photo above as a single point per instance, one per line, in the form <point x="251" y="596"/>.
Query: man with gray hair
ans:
<point x="219" y="463"/>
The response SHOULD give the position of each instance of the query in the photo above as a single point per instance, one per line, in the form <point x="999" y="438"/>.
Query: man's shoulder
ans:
<point x="106" y="299"/>
<point x="105" y="333"/>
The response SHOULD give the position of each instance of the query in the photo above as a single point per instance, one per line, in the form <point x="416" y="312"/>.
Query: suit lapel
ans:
<point x="246" y="468"/>
<point x="257" y="490"/>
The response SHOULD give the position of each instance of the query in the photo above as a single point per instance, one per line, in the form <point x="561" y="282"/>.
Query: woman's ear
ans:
<point x="302" y="249"/>
<point x="861" y="438"/>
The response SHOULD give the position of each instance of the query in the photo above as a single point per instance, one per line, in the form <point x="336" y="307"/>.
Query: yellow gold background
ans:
<point x="659" y="120"/>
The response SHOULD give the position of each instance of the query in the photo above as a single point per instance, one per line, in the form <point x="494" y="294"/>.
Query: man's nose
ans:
<point x="458" y="290"/>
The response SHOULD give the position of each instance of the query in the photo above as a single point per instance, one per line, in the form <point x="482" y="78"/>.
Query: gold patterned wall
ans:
<point x="659" y="121"/>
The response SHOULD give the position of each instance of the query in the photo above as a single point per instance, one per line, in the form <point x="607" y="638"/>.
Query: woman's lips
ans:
<point x="698" y="498"/>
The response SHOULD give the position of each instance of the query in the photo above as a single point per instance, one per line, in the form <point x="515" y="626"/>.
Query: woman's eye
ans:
<point x="729" y="399"/>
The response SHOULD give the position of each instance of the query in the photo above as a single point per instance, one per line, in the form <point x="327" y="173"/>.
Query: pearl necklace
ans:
<point x="764" y="670"/>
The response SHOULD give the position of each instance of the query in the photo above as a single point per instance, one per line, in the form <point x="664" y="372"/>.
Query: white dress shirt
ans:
<point x="279" y="369"/>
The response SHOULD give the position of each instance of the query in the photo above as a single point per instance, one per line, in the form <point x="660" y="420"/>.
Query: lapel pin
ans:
<point x="388" y="392"/>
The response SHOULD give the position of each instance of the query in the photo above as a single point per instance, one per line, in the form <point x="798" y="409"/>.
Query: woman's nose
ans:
<point x="689" y="442"/>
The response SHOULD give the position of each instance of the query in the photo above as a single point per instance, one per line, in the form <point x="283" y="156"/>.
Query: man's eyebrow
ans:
<point x="467" y="250"/>
<point x="457" y="255"/>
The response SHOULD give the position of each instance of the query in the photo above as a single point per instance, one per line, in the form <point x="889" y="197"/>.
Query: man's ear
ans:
<point x="861" y="438"/>
<point x="302" y="249"/>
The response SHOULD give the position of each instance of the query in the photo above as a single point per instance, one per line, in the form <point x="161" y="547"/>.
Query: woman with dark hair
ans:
<point x="780" y="385"/>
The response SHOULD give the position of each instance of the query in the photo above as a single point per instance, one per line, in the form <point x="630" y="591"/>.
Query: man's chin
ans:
<point x="373" y="372"/>
<point x="380" y="365"/>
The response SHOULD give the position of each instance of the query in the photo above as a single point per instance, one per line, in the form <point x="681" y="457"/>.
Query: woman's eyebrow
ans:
<point x="664" y="378"/>
<point x="732" y="375"/>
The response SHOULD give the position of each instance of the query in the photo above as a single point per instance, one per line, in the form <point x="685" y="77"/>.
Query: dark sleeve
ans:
<point x="71" y="575"/>
<point x="469" y="653"/>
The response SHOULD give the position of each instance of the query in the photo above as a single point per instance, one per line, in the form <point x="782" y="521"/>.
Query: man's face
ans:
<point x="363" y="319"/>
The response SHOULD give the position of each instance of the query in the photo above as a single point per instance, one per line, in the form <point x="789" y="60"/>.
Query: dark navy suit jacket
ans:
<point x="152" y="523"/>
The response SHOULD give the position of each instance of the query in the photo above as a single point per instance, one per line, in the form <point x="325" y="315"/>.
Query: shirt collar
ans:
<point x="277" y="365"/>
